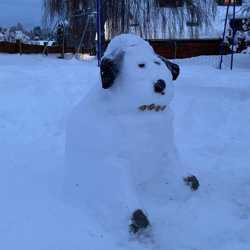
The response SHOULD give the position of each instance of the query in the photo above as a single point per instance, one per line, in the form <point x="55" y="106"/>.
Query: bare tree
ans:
<point x="148" y="19"/>
<point x="246" y="8"/>
<point x="76" y="14"/>
<point x="144" y="17"/>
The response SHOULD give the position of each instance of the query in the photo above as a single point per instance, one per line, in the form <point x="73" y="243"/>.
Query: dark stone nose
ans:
<point x="159" y="86"/>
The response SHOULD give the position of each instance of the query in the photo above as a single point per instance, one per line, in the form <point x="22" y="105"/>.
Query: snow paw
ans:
<point x="192" y="181"/>
<point x="139" y="222"/>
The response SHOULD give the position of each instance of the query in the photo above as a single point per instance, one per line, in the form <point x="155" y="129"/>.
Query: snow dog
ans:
<point x="120" y="153"/>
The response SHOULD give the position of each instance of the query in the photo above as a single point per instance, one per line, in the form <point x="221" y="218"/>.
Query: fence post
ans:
<point x="45" y="51"/>
<point x="224" y="34"/>
<point x="233" y="37"/>
<point x="175" y="50"/>
<point x="19" y="46"/>
<point x="100" y="30"/>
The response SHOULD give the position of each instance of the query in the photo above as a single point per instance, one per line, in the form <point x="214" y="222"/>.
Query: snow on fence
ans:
<point x="168" y="48"/>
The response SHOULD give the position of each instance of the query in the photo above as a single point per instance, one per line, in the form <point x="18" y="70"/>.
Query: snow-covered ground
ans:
<point x="212" y="124"/>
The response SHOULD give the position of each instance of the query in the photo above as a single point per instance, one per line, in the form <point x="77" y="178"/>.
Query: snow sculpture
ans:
<point x="120" y="152"/>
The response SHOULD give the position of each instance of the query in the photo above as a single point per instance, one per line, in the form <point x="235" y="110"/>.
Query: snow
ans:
<point x="211" y="124"/>
<point x="125" y="41"/>
<point x="36" y="95"/>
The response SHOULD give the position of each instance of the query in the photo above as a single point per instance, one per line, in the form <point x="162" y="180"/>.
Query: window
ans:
<point x="170" y="3"/>
<point x="226" y="2"/>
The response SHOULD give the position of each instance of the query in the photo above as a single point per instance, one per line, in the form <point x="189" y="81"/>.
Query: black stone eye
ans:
<point x="157" y="62"/>
<point x="141" y="65"/>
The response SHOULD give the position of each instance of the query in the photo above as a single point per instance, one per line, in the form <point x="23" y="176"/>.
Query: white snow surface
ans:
<point x="211" y="124"/>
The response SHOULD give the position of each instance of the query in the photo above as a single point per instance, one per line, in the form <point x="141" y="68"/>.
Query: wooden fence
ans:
<point x="189" y="48"/>
<point x="13" y="48"/>
<point x="167" y="48"/>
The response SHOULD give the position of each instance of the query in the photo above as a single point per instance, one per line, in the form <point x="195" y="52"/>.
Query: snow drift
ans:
<point x="211" y="125"/>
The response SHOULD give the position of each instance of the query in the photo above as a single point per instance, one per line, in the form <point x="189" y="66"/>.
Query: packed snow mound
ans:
<point x="120" y="156"/>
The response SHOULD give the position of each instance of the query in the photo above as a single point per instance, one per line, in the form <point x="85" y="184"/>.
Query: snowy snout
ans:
<point x="158" y="103"/>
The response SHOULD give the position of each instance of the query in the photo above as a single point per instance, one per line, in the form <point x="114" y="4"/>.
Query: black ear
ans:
<point x="174" y="68"/>
<point x="110" y="67"/>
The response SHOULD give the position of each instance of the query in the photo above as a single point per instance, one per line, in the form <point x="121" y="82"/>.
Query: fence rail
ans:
<point x="13" y="48"/>
<point x="168" y="48"/>
<point x="189" y="48"/>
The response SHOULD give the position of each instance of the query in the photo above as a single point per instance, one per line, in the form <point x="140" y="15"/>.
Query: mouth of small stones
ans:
<point x="152" y="107"/>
